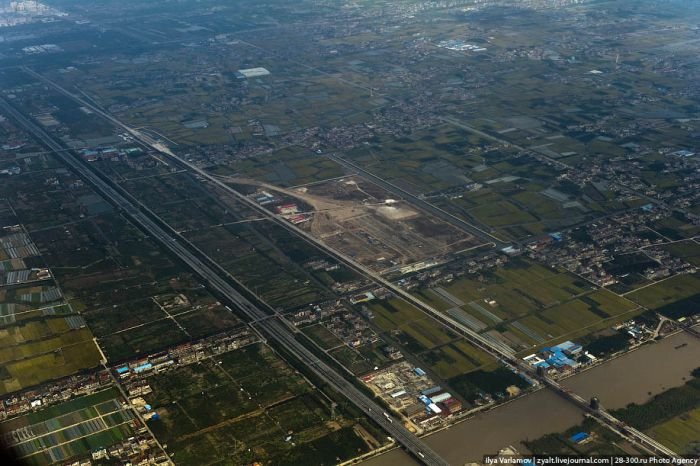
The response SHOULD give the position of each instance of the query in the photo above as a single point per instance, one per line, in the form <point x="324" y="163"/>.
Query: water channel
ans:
<point x="634" y="377"/>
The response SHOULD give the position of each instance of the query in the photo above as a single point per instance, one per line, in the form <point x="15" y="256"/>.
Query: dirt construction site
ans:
<point x="365" y="222"/>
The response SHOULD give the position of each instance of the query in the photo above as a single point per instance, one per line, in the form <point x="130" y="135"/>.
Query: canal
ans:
<point x="632" y="378"/>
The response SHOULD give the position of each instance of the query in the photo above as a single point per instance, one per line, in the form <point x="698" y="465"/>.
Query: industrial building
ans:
<point x="561" y="358"/>
<point x="252" y="73"/>
<point x="411" y="392"/>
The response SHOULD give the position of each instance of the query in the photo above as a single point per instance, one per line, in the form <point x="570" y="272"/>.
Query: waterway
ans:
<point x="632" y="378"/>
<point x="637" y="376"/>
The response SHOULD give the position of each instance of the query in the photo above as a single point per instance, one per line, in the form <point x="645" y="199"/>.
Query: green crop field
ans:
<point x="322" y="336"/>
<point x="423" y="331"/>
<point x="33" y="352"/>
<point x="688" y="250"/>
<point x="667" y="292"/>
<point x="237" y="408"/>
<point x="519" y="289"/>
<point x="354" y="361"/>
<point x="500" y="214"/>
<point x="681" y="434"/>
<point x="289" y="167"/>
<point x="455" y="358"/>
<point x="533" y="305"/>
<point x="442" y="350"/>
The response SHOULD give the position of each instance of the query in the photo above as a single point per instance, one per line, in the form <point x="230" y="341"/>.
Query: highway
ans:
<point x="489" y="345"/>
<point x="214" y="275"/>
<point x="492" y="346"/>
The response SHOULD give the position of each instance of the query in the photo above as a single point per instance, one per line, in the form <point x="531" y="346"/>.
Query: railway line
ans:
<point x="495" y="348"/>
<point x="220" y="281"/>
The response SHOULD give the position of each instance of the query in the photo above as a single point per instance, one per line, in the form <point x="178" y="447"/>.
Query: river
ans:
<point x="645" y="372"/>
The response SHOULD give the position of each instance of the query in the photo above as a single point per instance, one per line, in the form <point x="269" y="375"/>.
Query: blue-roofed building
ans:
<point x="557" y="355"/>
<point x="561" y="357"/>
<point x="569" y="347"/>
<point x="431" y="390"/>
<point x="579" y="437"/>
<point x="559" y="360"/>
<point x="143" y="367"/>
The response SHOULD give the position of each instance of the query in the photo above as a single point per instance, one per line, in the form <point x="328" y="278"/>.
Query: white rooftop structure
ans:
<point x="253" y="72"/>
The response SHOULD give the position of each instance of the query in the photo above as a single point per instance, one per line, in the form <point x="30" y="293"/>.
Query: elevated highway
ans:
<point x="497" y="349"/>
<point x="220" y="281"/>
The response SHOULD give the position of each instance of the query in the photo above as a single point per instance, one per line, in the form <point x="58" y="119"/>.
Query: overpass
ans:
<point x="492" y="346"/>
<point x="496" y="348"/>
<point x="221" y="281"/>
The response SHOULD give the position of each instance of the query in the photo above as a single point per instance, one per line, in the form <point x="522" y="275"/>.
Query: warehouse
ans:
<point x="252" y="73"/>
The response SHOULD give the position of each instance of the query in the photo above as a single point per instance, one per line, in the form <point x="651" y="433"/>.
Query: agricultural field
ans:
<point x="482" y="182"/>
<point x="430" y="160"/>
<point x="455" y="358"/>
<point x="129" y="294"/>
<point x="293" y="97"/>
<point x="525" y="304"/>
<point x="675" y="297"/>
<point x="245" y="406"/>
<point x="257" y="263"/>
<point x="41" y="336"/>
<point x="178" y="199"/>
<point x="576" y="317"/>
<point x="71" y="430"/>
<point x="263" y="256"/>
<point x="681" y="433"/>
<point x="566" y="133"/>
<point x="441" y="350"/>
<point x="358" y="361"/>
<point x="322" y="336"/>
<point x="676" y="228"/>
<point x="419" y="331"/>
<point x="688" y="250"/>
<point x="519" y="288"/>
<point x="43" y="349"/>
<point x="287" y="167"/>
<point x="128" y="317"/>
